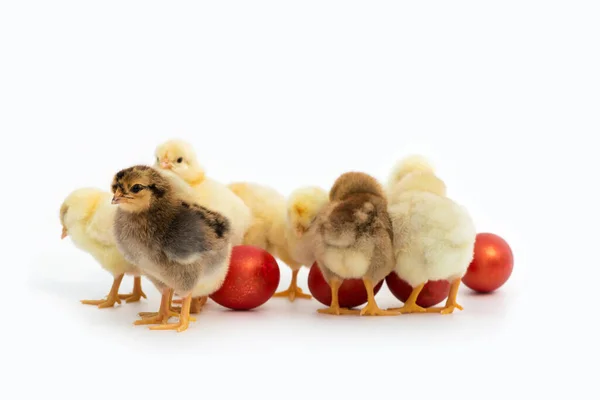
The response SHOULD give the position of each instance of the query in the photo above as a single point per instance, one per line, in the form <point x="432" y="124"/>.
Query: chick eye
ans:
<point x="136" y="188"/>
<point x="180" y="160"/>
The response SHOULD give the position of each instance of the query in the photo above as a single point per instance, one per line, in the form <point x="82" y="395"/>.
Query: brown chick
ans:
<point x="353" y="239"/>
<point x="182" y="248"/>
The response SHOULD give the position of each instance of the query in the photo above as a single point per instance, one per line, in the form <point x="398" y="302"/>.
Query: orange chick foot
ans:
<point x="151" y="318"/>
<point x="293" y="293"/>
<point x="372" y="309"/>
<point x="104" y="303"/>
<point x="409" y="309"/>
<point x="174" y="313"/>
<point x="336" y="311"/>
<point x="179" y="326"/>
<point x="448" y="309"/>
<point x="184" y="318"/>
<point x="132" y="297"/>
<point x="196" y="305"/>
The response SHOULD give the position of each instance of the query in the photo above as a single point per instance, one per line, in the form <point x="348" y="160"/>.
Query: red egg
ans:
<point x="352" y="292"/>
<point x="252" y="279"/>
<point x="433" y="292"/>
<point x="492" y="264"/>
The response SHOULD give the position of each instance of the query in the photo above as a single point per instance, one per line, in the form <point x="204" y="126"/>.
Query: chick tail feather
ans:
<point x="339" y="232"/>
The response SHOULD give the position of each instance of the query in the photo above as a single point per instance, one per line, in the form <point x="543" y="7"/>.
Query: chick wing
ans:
<point x="192" y="232"/>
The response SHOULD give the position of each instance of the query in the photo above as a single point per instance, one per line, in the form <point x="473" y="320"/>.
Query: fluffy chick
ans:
<point x="434" y="237"/>
<point x="177" y="158"/>
<point x="183" y="248"/>
<point x="87" y="217"/>
<point x="353" y="238"/>
<point x="303" y="206"/>
<point x="278" y="224"/>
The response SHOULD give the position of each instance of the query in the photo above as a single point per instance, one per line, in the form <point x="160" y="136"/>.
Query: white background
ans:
<point x="503" y="97"/>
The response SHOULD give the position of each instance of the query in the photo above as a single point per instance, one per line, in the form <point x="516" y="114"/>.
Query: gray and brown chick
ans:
<point x="353" y="238"/>
<point x="183" y="248"/>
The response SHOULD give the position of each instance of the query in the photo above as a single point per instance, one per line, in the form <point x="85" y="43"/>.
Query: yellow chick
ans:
<point x="278" y="225"/>
<point x="177" y="159"/>
<point x="87" y="217"/>
<point x="434" y="236"/>
<point x="304" y="204"/>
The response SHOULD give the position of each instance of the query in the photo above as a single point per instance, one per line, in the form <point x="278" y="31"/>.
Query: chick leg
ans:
<point x="184" y="318"/>
<point x="334" y="308"/>
<point x="410" y="305"/>
<point x="163" y="314"/>
<point x="197" y="304"/>
<point x="173" y="312"/>
<point x="372" y="308"/>
<point x="111" y="299"/>
<point x="137" y="293"/>
<point x="451" y="303"/>
<point x="293" y="291"/>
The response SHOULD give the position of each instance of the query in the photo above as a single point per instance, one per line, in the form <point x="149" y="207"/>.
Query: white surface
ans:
<point x="502" y="97"/>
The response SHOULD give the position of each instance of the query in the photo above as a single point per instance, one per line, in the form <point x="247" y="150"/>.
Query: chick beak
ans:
<point x="300" y="231"/>
<point x="64" y="233"/>
<point x="165" y="164"/>
<point x="117" y="198"/>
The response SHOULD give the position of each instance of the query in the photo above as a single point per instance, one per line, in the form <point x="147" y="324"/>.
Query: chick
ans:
<point x="278" y="224"/>
<point x="353" y="239"/>
<point x="178" y="157"/>
<point x="434" y="237"/>
<point x="183" y="248"/>
<point x="303" y="206"/>
<point x="87" y="216"/>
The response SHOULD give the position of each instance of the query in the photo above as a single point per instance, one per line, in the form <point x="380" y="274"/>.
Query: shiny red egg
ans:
<point x="352" y="292"/>
<point x="252" y="279"/>
<point x="492" y="264"/>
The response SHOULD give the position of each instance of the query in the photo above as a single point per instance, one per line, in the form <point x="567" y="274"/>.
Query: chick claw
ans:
<point x="409" y="309"/>
<point x="179" y="326"/>
<point x="448" y="309"/>
<point x="150" y="318"/>
<point x="104" y="303"/>
<point x="145" y="315"/>
<point x="293" y="293"/>
<point x="374" y="310"/>
<point x="132" y="297"/>
<point x="335" y="311"/>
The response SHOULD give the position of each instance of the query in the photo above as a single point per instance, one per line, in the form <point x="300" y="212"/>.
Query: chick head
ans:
<point x="351" y="183"/>
<point x="303" y="206"/>
<point x="407" y="165"/>
<point x="422" y="181"/>
<point x="135" y="188"/>
<point x="78" y="207"/>
<point x="179" y="157"/>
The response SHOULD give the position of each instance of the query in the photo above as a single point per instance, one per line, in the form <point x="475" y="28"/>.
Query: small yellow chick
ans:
<point x="278" y="225"/>
<point x="87" y="217"/>
<point x="178" y="158"/>
<point x="303" y="206"/>
<point x="434" y="237"/>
